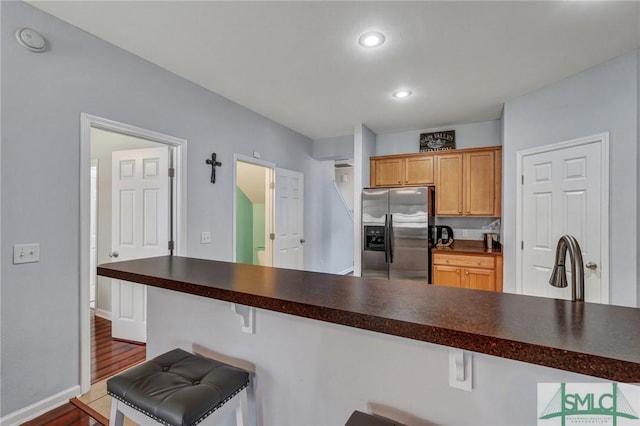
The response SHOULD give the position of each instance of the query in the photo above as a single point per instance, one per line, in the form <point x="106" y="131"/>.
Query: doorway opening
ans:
<point x="253" y="213"/>
<point x="126" y="172"/>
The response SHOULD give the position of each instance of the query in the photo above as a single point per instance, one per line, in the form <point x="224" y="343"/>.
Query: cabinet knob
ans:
<point x="467" y="273"/>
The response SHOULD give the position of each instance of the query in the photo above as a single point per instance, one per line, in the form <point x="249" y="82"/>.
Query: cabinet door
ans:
<point x="418" y="170"/>
<point x="449" y="184"/>
<point x="480" y="279"/>
<point x="388" y="172"/>
<point x="447" y="275"/>
<point x="480" y="183"/>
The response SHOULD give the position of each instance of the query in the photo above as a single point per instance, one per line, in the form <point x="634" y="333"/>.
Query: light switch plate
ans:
<point x="26" y="253"/>
<point x="460" y="369"/>
<point x="205" y="238"/>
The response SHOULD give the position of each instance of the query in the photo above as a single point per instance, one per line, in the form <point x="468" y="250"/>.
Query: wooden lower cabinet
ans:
<point x="480" y="272"/>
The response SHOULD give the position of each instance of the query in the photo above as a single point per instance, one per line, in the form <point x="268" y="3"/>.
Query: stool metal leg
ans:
<point x="242" y="410"/>
<point x="116" y="418"/>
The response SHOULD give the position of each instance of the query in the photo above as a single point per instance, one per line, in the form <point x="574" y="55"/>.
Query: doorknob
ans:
<point x="591" y="265"/>
<point x="114" y="254"/>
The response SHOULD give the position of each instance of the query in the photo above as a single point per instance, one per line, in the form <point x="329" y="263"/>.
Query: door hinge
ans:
<point x="521" y="245"/>
<point x="522" y="179"/>
<point x="172" y="245"/>
<point x="272" y="236"/>
<point x="172" y="172"/>
<point x="272" y="185"/>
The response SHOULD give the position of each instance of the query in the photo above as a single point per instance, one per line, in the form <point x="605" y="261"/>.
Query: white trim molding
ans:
<point x="179" y="147"/>
<point x="603" y="140"/>
<point x="39" y="408"/>
<point x="103" y="313"/>
<point x="347" y="271"/>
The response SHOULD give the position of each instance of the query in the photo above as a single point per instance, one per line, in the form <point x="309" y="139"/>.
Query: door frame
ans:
<point x="603" y="140"/>
<point x="179" y="146"/>
<point x="257" y="162"/>
<point x="94" y="221"/>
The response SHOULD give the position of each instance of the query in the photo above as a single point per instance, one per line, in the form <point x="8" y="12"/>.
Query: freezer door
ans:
<point x="409" y="250"/>
<point x="375" y="208"/>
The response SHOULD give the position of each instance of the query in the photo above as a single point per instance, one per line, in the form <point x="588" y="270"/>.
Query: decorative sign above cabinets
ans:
<point x="438" y="141"/>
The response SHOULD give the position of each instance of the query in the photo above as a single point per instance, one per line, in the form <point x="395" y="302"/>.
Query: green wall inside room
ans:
<point x="258" y="230"/>
<point x="244" y="228"/>
<point x="250" y="228"/>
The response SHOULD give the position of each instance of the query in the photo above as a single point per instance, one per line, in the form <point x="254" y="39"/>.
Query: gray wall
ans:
<point x="338" y="148"/>
<point x="42" y="98"/>
<point x="602" y="99"/>
<point x="337" y="226"/>
<point x="369" y="140"/>
<point x="473" y="135"/>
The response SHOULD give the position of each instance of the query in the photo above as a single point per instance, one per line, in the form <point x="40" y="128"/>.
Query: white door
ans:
<point x="289" y="220"/>
<point x="563" y="192"/>
<point x="140" y="228"/>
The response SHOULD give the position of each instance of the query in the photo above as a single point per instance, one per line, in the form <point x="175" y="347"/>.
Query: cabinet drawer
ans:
<point x="463" y="260"/>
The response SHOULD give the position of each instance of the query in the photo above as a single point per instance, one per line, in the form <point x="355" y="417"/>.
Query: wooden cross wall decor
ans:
<point x="212" y="161"/>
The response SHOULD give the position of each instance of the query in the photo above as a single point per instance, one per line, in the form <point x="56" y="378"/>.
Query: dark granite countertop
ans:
<point x="597" y="340"/>
<point x="468" y="247"/>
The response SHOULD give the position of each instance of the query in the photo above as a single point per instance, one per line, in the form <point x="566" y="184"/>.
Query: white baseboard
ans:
<point x="39" y="408"/>
<point x="103" y="313"/>
<point x="346" y="271"/>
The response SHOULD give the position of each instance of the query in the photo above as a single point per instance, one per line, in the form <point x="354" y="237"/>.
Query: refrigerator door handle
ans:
<point x="390" y="245"/>
<point x="386" y="238"/>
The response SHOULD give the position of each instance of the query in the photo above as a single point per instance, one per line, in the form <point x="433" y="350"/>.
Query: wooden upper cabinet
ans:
<point x="418" y="170"/>
<point x="387" y="172"/>
<point x="479" y="183"/>
<point x="409" y="170"/>
<point x="449" y="184"/>
<point x="469" y="183"/>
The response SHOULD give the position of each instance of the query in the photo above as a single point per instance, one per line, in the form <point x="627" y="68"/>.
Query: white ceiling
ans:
<point x="299" y="63"/>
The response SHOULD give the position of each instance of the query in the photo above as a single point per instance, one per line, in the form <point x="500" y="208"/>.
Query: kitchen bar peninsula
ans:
<point x="392" y="353"/>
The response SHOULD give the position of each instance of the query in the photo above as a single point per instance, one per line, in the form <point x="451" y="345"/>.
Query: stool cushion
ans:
<point x="178" y="388"/>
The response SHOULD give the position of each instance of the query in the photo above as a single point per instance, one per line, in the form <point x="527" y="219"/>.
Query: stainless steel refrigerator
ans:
<point x="396" y="233"/>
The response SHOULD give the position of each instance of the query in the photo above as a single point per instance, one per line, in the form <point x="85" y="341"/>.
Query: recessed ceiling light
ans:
<point x="401" y="94"/>
<point x="371" y="39"/>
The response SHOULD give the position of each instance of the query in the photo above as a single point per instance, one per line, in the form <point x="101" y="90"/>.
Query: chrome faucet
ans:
<point x="559" y="274"/>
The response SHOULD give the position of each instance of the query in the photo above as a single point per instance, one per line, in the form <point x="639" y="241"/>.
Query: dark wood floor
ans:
<point x="67" y="415"/>
<point x="108" y="357"/>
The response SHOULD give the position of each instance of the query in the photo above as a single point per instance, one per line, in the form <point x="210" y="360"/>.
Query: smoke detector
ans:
<point x="31" y="40"/>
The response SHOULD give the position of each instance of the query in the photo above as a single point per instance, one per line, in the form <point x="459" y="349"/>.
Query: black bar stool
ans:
<point x="178" y="388"/>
